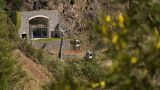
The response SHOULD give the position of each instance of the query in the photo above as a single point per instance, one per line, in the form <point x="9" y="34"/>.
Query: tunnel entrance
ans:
<point x="38" y="27"/>
<point x="40" y="33"/>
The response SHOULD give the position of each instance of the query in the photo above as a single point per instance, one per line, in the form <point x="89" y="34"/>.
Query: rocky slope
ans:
<point x="75" y="13"/>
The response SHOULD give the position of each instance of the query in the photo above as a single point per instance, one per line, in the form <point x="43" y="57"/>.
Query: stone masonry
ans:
<point x="52" y="15"/>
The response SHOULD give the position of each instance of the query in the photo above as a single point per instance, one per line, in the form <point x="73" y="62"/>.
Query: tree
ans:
<point x="134" y="46"/>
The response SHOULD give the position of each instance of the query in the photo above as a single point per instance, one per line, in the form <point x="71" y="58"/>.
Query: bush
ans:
<point x="2" y="3"/>
<point x="37" y="55"/>
<point x="18" y="20"/>
<point x="133" y="43"/>
<point x="6" y="64"/>
<point x="134" y="47"/>
<point x="77" y="75"/>
<point x="28" y="50"/>
<point x="17" y="4"/>
<point x="8" y="34"/>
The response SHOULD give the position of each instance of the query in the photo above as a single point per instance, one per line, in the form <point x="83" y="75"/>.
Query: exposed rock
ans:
<point x="75" y="13"/>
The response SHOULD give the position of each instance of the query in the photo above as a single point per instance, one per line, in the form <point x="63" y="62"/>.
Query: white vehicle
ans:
<point x="77" y="44"/>
<point x="89" y="55"/>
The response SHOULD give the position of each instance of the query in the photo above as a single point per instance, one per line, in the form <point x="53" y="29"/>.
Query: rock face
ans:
<point x="75" y="13"/>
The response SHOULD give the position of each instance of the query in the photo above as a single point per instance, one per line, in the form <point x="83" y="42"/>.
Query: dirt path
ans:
<point x="39" y="75"/>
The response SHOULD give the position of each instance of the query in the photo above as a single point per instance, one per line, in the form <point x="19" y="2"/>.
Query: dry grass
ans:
<point x="36" y="74"/>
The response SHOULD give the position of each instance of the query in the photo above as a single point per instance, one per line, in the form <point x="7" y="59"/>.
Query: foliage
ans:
<point x="8" y="39"/>
<point x="133" y="45"/>
<point x="6" y="65"/>
<point x="133" y="42"/>
<point x="2" y="3"/>
<point x="8" y="31"/>
<point x="37" y="55"/>
<point x="78" y="75"/>
<point x="17" y="4"/>
<point x="15" y="17"/>
<point x="31" y="52"/>
<point x="18" y="20"/>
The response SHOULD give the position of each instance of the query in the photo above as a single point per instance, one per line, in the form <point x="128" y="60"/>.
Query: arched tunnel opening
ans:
<point x="38" y="27"/>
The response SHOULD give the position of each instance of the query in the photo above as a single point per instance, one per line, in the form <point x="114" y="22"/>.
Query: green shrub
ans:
<point x="18" y="20"/>
<point x="17" y="4"/>
<point x="28" y="50"/>
<point x="8" y="41"/>
<point x="77" y="75"/>
<point x="134" y="47"/>
<point x="15" y="17"/>
<point x="133" y="43"/>
<point x="37" y="55"/>
<point x="6" y="65"/>
<point x="2" y="3"/>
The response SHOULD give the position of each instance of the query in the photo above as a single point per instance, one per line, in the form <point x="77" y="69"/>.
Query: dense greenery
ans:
<point x="134" y="47"/>
<point x="8" y="38"/>
<point x="78" y="74"/>
<point x="2" y="3"/>
<point x="37" y="55"/>
<point x="14" y="5"/>
<point x="17" y="4"/>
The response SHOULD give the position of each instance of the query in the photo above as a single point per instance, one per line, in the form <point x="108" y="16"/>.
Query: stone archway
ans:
<point x="47" y="19"/>
<point x="38" y="27"/>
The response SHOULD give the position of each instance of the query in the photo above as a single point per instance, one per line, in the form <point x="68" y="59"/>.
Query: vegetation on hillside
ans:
<point x="133" y="45"/>
<point x="8" y="41"/>
<point x="2" y="3"/>
<point x="131" y="40"/>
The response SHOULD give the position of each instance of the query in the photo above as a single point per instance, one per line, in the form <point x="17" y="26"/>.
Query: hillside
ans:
<point x="76" y="14"/>
<point x="36" y="75"/>
<point x="123" y="37"/>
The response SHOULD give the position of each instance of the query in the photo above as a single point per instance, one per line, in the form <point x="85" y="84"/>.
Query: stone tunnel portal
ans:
<point x="38" y="27"/>
<point x="39" y="24"/>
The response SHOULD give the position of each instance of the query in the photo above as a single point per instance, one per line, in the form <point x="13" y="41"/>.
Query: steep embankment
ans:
<point x="36" y="74"/>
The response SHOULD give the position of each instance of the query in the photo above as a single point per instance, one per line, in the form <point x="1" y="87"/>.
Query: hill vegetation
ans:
<point x="126" y="44"/>
<point x="8" y="41"/>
